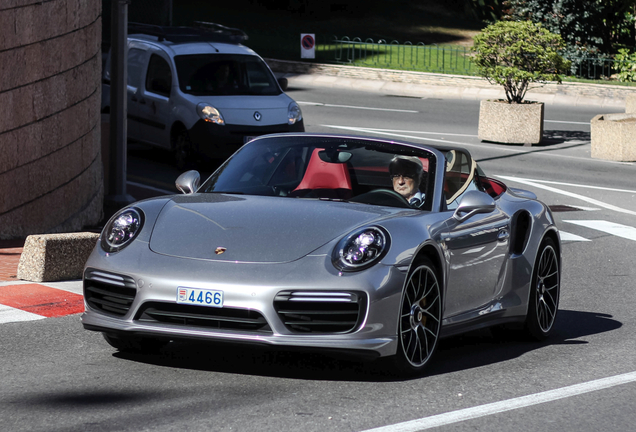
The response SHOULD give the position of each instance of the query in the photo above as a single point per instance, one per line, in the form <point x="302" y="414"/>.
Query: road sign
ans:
<point x="307" y="45"/>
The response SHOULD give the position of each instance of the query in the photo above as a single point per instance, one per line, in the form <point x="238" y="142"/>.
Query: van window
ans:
<point x="225" y="75"/>
<point x="159" y="77"/>
<point x="135" y="66"/>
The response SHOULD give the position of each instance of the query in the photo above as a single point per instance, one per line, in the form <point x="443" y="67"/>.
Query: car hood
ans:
<point x="241" y="110"/>
<point x="249" y="102"/>
<point x="253" y="228"/>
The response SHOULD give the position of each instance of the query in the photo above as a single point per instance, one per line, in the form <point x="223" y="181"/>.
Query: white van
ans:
<point x="198" y="90"/>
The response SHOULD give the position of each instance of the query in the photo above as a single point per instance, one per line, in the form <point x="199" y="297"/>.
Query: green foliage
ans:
<point x="486" y="10"/>
<point x="625" y="65"/>
<point x="590" y="28"/>
<point x="517" y="53"/>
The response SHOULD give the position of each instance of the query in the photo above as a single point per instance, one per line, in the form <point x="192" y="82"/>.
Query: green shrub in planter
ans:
<point x="625" y="65"/>
<point x="515" y="54"/>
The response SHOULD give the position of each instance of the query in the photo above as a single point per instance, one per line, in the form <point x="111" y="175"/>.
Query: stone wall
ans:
<point x="50" y="83"/>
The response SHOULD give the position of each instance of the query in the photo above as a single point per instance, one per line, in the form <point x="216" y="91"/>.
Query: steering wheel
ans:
<point x="385" y="197"/>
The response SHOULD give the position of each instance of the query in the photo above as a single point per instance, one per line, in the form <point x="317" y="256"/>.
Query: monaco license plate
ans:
<point x="200" y="297"/>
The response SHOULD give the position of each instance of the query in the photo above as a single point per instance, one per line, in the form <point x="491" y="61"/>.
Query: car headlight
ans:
<point x="361" y="249"/>
<point x="210" y="114"/>
<point x="294" y="114"/>
<point x="121" y="229"/>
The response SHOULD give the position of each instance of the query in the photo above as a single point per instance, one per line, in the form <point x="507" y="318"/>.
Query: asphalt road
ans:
<point x="57" y="377"/>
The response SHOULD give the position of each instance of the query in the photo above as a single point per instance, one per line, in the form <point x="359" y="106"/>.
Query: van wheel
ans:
<point x="183" y="151"/>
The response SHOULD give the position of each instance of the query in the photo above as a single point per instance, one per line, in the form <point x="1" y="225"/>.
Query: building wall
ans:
<point x="50" y="146"/>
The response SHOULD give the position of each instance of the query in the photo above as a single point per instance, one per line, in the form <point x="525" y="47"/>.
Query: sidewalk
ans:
<point x="433" y="85"/>
<point x="27" y="301"/>
<point x="10" y="251"/>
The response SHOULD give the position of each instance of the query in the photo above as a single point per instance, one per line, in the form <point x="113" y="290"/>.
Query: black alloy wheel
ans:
<point x="420" y="318"/>
<point x="545" y="287"/>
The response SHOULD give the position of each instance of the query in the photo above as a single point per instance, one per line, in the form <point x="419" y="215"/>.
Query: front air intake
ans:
<point x="193" y="316"/>
<point x="320" y="312"/>
<point x="108" y="292"/>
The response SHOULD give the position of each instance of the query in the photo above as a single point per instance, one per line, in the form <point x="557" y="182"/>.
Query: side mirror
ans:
<point x="188" y="182"/>
<point x="474" y="202"/>
<point x="283" y="83"/>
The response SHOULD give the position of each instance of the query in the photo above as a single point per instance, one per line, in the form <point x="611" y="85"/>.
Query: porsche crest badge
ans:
<point x="220" y="250"/>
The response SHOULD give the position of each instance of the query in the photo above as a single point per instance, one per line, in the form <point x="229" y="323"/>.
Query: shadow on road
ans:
<point x="573" y="144"/>
<point x="553" y="137"/>
<point x="475" y="349"/>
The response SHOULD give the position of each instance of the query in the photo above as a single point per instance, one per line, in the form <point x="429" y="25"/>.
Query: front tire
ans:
<point x="545" y="290"/>
<point x="184" y="152"/>
<point x="420" y="318"/>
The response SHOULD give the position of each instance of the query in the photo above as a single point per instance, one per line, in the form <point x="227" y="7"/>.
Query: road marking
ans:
<point x="585" y="186"/>
<point x="566" y="193"/>
<point x="618" y="230"/>
<point x="39" y="301"/>
<point x="415" y="132"/>
<point x="413" y="137"/>
<point x="566" y="236"/>
<point x="9" y="314"/>
<point x="355" y="107"/>
<point x="538" y="151"/>
<point x="585" y="208"/>
<point x="507" y="405"/>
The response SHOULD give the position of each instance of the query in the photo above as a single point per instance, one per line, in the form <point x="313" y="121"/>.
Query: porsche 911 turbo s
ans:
<point x="327" y="242"/>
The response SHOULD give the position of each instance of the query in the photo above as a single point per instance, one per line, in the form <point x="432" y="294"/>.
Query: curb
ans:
<point x="433" y="85"/>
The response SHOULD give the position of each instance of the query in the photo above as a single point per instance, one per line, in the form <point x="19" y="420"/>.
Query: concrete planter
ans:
<point x="502" y="122"/>
<point x="614" y="137"/>
<point x="630" y="103"/>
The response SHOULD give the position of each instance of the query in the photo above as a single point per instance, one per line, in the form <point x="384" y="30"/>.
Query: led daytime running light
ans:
<point x="122" y="229"/>
<point x="361" y="249"/>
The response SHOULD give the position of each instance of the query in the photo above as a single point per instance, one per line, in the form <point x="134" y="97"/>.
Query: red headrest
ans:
<point x="324" y="175"/>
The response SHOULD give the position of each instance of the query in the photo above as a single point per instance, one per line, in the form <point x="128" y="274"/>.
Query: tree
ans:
<point x="588" y="27"/>
<point x="515" y="54"/>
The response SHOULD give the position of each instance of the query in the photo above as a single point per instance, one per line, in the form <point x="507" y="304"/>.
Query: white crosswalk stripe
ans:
<point x="612" y="228"/>
<point x="9" y="314"/>
<point x="566" y="236"/>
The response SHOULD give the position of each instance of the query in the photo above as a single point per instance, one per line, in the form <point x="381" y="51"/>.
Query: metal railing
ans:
<point x="436" y="58"/>
<point x="597" y="68"/>
<point x="405" y="56"/>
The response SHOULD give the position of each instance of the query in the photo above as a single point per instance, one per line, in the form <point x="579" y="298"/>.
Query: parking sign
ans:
<point x="308" y="45"/>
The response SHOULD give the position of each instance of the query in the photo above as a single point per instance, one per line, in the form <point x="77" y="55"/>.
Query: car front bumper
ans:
<point x="250" y="288"/>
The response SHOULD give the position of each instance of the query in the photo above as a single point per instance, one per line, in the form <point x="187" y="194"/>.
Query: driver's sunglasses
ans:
<point x="404" y="176"/>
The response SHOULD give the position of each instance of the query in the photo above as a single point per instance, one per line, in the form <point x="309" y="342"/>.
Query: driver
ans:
<point x="407" y="173"/>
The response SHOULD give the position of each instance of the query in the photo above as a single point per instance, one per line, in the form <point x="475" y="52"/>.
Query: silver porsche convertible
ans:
<point x="311" y="241"/>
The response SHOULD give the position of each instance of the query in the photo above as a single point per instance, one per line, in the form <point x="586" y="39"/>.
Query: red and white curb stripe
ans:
<point x="29" y="301"/>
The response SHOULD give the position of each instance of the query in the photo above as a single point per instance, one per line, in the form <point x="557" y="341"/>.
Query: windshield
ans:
<point x="330" y="168"/>
<point x="224" y="75"/>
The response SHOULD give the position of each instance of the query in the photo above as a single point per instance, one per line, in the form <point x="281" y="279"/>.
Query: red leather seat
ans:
<point x="324" y="180"/>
